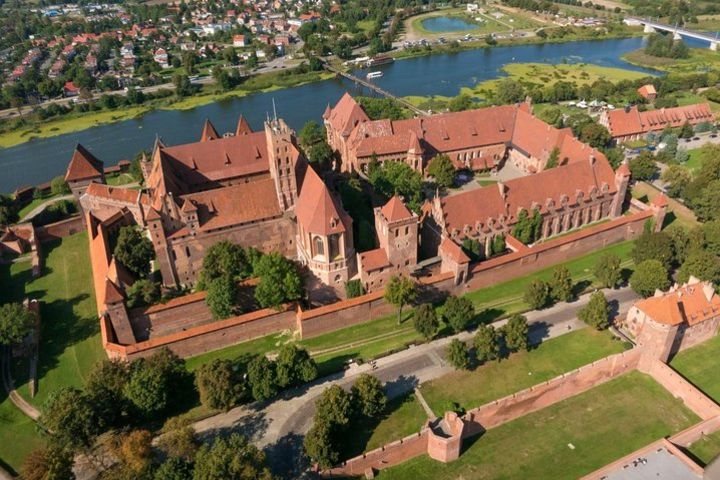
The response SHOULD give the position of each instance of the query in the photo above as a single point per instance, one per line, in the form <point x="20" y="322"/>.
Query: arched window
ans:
<point x="318" y="246"/>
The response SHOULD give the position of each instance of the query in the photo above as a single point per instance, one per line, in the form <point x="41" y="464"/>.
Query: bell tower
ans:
<point x="282" y="154"/>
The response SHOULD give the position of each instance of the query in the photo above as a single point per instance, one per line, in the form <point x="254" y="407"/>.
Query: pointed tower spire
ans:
<point x="243" y="127"/>
<point x="208" y="132"/>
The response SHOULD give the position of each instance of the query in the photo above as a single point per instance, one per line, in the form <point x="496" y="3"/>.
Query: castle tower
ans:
<point x="397" y="231"/>
<point x="83" y="169"/>
<point x="622" y="179"/>
<point x="282" y="154"/>
<point x="117" y="312"/>
<point x="162" y="253"/>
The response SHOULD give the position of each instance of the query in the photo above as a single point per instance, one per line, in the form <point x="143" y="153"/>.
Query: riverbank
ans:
<point x="700" y="60"/>
<point x="75" y="122"/>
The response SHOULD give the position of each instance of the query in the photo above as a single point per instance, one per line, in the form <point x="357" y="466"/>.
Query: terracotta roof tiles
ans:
<point x="83" y="165"/>
<point x="692" y="303"/>
<point x="318" y="211"/>
<point x="395" y="210"/>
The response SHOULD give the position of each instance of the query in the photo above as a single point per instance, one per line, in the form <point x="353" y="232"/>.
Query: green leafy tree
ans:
<point x="70" y="416"/>
<point x="458" y="312"/>
<point x="16" y="322"/>
<point x="319" y="446"/>
<point x="294" y="366"/>
<point x="134" y="251"/>
<point x="146" y="389"/>
<point x="280" y="281"/>
<point x="334" y="407"/>
<point x="597" y="312"/>
<point x="686" y="131"/>
<point x="231" y="458"/>
<point x="653" y="246"/>
<point x="711" y="236"/>
<point x="460" y="103"/>
<point x="174" y="468"/>
<point x="487" y="343"/>
<point x="705" y="205"/>
<point x="457" y="354"/>
<point x="528" y="228"/>
<point x="498" y="245"/>
<point x="472" y="248"/>
<point x="442" y="170"/>
<point x="399" y="292"/>
<point x="608" y="271"/>
<point x="262" y="378"/>
<point x="367" y="396"/>
<point x="595" y="135"/>
<point x="53" y="462"/>
<point x="391" y="178"/>
<point x="561" y="285"/>
<point x="58" y="186"/>
<point x="321" y="153"/>
<point x="515" y="332"/>
<point x="104" y="389"/>
<point x="221" y="297"/>
<point x="649" y="276"/>
<point x="700" y="264"/>
<point x="183" y="87"/>
<point x="220" y="384"/>
<point x="354" y="288"/>
<point x="509" y="91"/>
<point x="643" y="166"/>
<point x="426" y="322"/>
<point x="224" y="259"/>
<point x="179" y="440"/>
<point x="537" y="294"/>
<point x="686" y="241"/>
<point x="143" y="292"/>
<point x="677" y="178"/>
<point x="311" y="133"/>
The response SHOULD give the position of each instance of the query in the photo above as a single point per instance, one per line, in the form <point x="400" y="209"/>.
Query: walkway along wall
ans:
<point x="372" y="306"/>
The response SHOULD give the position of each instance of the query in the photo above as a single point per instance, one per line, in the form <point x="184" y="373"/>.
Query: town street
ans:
<point x="279" y="426"/>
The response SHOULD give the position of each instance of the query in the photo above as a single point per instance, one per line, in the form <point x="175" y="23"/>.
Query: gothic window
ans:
<point x="334" y="242"/>
<point x="318" y="246"/>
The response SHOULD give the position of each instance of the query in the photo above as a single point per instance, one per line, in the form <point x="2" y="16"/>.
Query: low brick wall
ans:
<point x="201" y="339"/>
<point x="547" y="393"/>
<point x="61" y="229"/>
<point x="384" y="457"/>
<point x="674" y="383"/>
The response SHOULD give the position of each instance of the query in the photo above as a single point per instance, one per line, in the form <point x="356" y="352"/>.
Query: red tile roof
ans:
<point x="454" y="251"/>
<point x="346" y="115"/>
<point x="395" y="210"/>
<point x="647" y="91"/>
<point x="374" y="260"/>
<point x="209" y="132"/>
<point x="622" y="123"/>
<point x="318" y="211"/>
<point x="119" y="194"/>
<point x="243" y="127"/>
<point x="692" y="303"/>
<point x="83" y="165"/>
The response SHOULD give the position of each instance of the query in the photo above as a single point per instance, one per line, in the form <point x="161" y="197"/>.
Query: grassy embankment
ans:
<point x="74" y="122"/>
<point x="700" y="60"/>
<point x="566" y="440"/>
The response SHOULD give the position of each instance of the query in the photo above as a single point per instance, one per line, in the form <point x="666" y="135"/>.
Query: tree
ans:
<point x="711" y="236"/>
<point x="311" y="133"/>
<point x="354" y="288"/>
<point x="399" y="292"/>
<point x="457" y="354"/>
<point x="48" y="463"/>
<point x="321" y="153"/>
<point x="515" y="332"/>
<point x="220" y="384"/>
<point x="472" y="248"/>
<point x="487" y="343"/>
<point x="174" y="468"/>
<point x="509" y="91"/>
<point x="294" y="366"/>
<point x="537" y="294"/>
<point x="280" y="281"/>
<point x="367" y="396"/>
<point x="677" y="178"/>
<point x="179" y="442"/>
<point x="553" y="159"/>
<point x="498" y="245"/>
<point x="104" y="389"/>
<point x="686" y="131"/>
<point x="528" y="229"/>
<point x="134" y="450"/>
<point x="686" y="241"/>
<point x="643" y="166"/>
<point x="319" y="446"/>
<point x="334" y="407"/>
<point x="183" y="87"/>
<point x="442" y="170"/>
<point x="607" y="270"/>
<point x="134" y="251"/>
<point x="649" y="276"/>
<point x="705" y="205"/>
<point x="653" y="246"/>
<point x="231" y="458"/>
<point x="221" y="297"/>
<point x="69" y="415"/>
<point x="561" y="285"/>
<point x="262" y="378"/>
<point x="426" y="321"/>
<point x="700" y="264"/>
<point x="224" y="259"/>
<point x="142" y="292"/>
<point x="595" y="135"/>
<point x="16" y="322"/>
<point x="146" y="389"/>
<point x="597" y="312"/>
<point x="458" y="312"/>
<point x="460" y="103"/>
<point x="58" y="186"/>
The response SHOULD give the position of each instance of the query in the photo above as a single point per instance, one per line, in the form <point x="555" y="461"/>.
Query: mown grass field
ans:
<point x="565" y="440"/>
<point x="700" y="366"/>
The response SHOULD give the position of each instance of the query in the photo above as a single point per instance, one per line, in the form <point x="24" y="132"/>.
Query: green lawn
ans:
<point x="35" y="202"/>
<point x="521" y="370"/>
<point x="700" y="366"/>
<point x="120" y="179"/>
<point x="70" y="338"/>
<point x="693" y="162"/>
<point x="566" y="440"/>
<point x="707" y="448"/>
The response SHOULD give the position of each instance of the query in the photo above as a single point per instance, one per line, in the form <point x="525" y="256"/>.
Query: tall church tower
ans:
<point x="282" y="154"/>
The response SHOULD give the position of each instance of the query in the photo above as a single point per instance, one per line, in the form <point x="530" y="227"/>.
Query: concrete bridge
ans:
<point x="678" y="32"/>
<point x="377" y="89"/>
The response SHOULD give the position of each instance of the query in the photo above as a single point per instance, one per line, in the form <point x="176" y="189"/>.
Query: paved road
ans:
<point x="278" y="427"/>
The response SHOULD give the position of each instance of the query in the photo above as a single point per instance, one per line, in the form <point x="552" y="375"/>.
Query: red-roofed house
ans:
<point x="648" y="92"/>
<point x="631" y="124"/>
<point x="679" y="318"/>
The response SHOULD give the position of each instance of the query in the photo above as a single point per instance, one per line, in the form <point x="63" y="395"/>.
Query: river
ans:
<point x="40" y="160"/>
